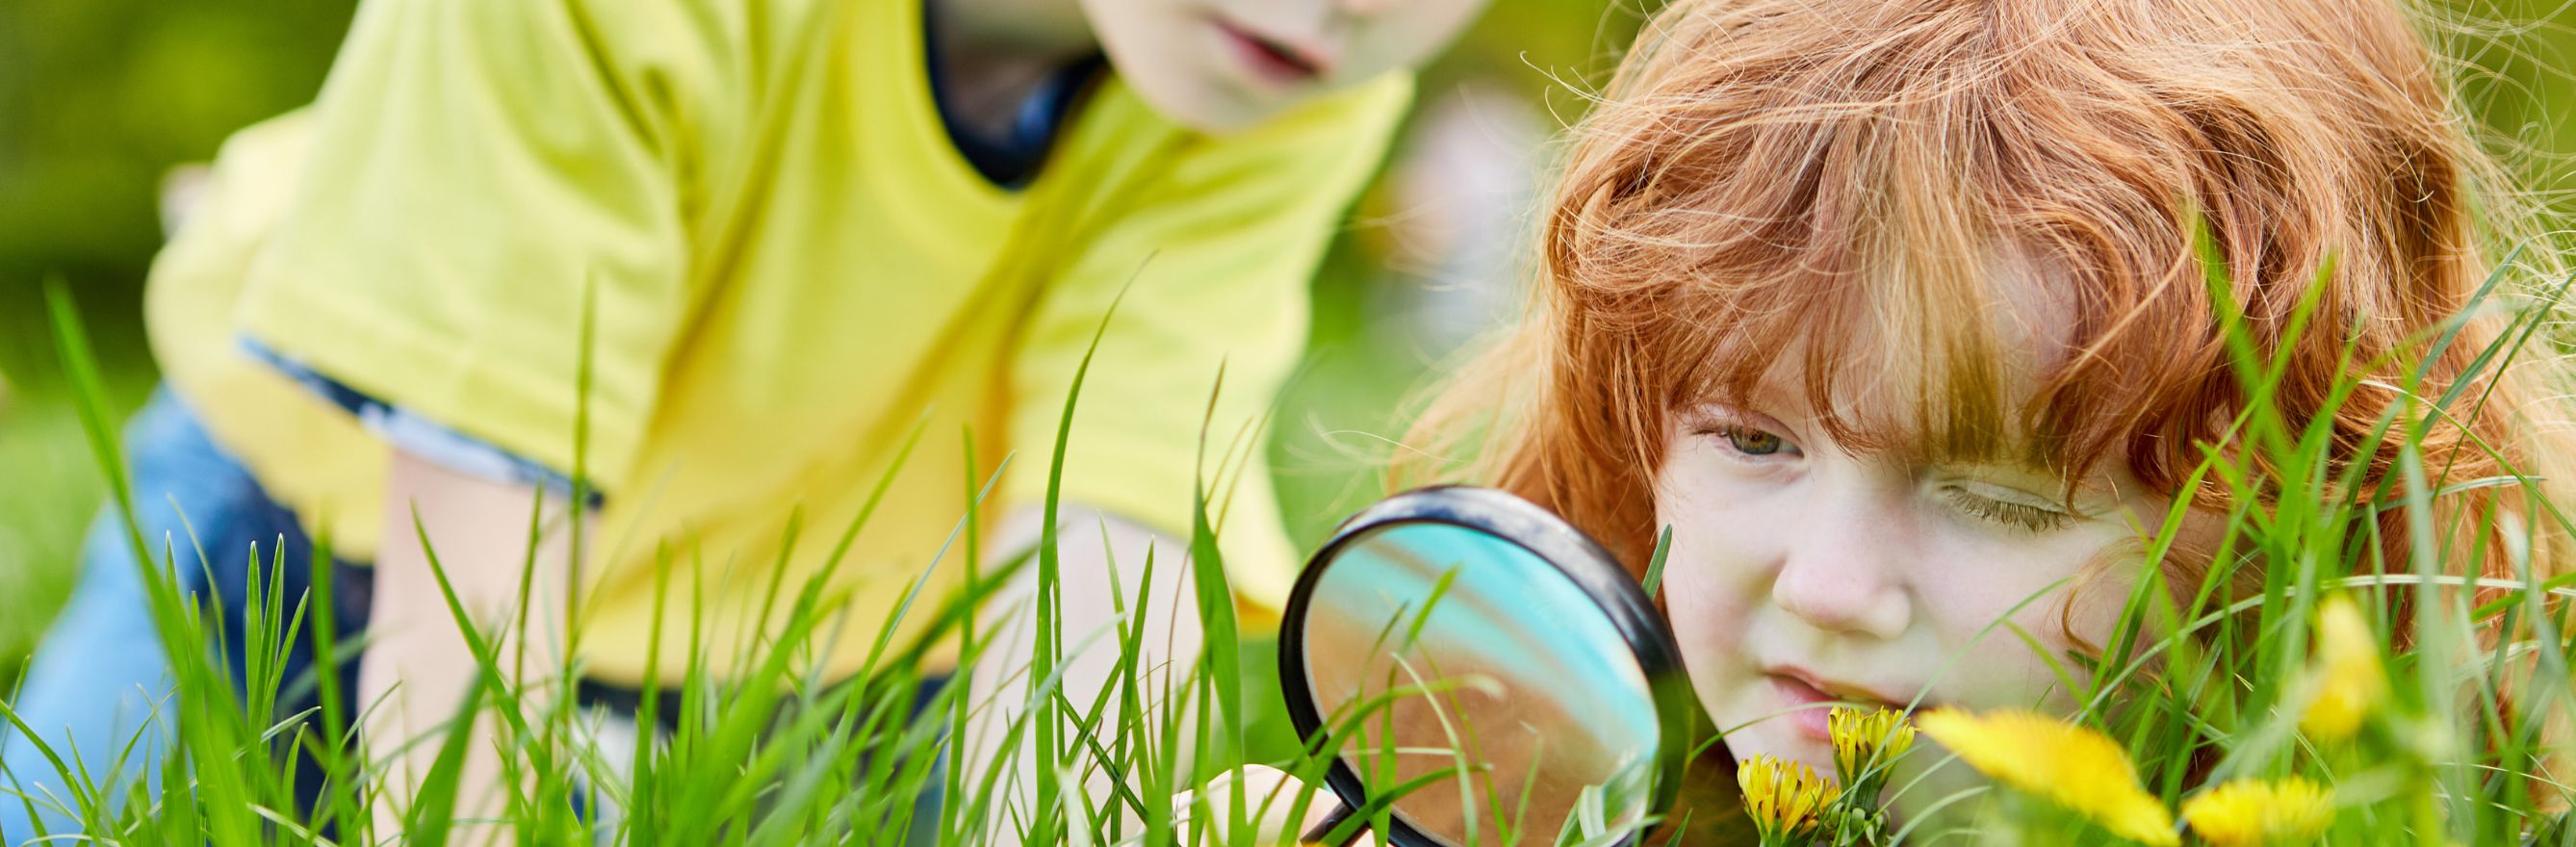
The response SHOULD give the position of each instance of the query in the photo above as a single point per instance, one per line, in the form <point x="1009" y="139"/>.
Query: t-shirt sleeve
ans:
<point x="421" y="437"/>
<point x="485" y="176"/>
<point x="1220" y="248"/>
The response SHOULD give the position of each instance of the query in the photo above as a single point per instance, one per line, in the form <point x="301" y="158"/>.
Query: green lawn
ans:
<point x="51" y="492"/>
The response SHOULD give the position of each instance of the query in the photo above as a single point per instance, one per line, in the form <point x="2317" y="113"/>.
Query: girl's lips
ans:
<point x="1273" y="61"/>
<point x="1800" y="702"/>
<point x="1803" y="703"/>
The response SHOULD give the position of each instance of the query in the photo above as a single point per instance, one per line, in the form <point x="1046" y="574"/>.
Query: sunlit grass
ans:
<point x="772" y="756"/>
<point x="51" y="495"/>
<point x="2230" y="681"/>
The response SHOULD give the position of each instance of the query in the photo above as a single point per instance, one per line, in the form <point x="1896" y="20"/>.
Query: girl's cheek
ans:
<point x="1707" y="570"/>
<point x="1693" y="602"/>
<point x="1707" y="624"/>
<point x="1705" y="601"/>
<point x="1713" y="578"/>
<point x="2032" y="586"/>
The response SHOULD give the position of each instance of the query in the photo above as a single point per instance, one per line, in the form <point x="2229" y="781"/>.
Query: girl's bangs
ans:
<point x="1911" y="318"/>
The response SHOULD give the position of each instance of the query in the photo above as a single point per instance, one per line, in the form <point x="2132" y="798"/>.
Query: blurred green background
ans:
<point x="99" y="99"/>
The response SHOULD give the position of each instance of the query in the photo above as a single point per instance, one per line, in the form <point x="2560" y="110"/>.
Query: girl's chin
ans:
<point x="1778" y="739"/>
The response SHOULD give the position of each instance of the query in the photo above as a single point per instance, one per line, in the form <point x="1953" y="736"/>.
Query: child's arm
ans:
<point x="1269" y="794"/>
<point x="480" y="179"/>
<point x="417" y="667"/>
<point x="1091" y="542"/>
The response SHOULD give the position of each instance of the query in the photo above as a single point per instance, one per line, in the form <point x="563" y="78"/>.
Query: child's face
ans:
<point x="1804" y="573"/>
<point x="1221" y="64"/>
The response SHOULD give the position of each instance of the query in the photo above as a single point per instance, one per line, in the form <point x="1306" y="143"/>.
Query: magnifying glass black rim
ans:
<point x="1578" y="557"/>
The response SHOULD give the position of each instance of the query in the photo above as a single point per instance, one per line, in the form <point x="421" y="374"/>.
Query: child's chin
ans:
<point x="1210" y="107"/>
<point x="1202" y="96"/>
<point x="1777" y="739"/>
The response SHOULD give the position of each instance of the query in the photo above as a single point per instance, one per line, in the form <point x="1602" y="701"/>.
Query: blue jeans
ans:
<point x="99" y="691"/>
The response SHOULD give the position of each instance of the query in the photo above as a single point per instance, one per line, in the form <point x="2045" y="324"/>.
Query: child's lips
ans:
<point x="1801" y="698"/>
<point x="1274" y="60"/>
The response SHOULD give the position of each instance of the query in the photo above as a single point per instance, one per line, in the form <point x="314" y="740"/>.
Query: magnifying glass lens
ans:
<point x="1480" y="687"/>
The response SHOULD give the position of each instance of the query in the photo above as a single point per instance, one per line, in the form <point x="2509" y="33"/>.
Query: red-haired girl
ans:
<point x="1893" y="311"/>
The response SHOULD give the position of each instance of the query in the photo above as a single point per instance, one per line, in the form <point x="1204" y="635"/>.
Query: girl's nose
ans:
<point x="1843" y="576"/>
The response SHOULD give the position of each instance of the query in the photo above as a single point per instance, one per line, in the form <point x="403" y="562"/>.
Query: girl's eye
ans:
<point x="1751" y="441"/>
<point x="2024" y="517"/>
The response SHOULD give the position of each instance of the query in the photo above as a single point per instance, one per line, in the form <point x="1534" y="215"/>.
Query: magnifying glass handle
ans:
<point x="1316" y="834"/>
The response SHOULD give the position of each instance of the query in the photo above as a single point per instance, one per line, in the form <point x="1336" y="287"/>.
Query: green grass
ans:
<point x="776" y="759"/>
<point x="41" y="514"/>
<point x="55" y="490"/>
<point x="2202" y="685"/>
<point x="52" y="494"/>
<point x="50" y="489"/>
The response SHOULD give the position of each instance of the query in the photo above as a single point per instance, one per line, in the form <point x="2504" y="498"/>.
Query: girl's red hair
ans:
<point x="1765" y="178"/>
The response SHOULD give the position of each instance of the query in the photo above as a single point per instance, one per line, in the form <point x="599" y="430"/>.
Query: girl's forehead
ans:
<point x="2031" y="309"/>
<point x="1912" y="374"/>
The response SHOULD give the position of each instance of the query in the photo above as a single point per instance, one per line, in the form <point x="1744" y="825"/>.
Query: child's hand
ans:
<point x="1268" y="795"/>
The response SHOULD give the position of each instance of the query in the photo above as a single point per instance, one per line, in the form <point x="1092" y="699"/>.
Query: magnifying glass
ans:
<point x="1483" y="673"/>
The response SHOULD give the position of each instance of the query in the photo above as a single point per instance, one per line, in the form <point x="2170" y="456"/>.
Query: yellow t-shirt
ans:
<point x="789" y="268"/>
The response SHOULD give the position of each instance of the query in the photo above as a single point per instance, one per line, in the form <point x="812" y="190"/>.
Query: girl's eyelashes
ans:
<point x="2018" y="516"/>
<point x="1749" y="441"/>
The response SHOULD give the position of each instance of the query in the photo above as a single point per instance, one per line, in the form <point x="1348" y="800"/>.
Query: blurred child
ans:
<point x="794" y="232"/>
<point x="1890" y="310"/>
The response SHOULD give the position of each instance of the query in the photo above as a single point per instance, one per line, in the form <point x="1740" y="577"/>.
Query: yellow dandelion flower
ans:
<point x="1783" y="797"/>
<point x="2253" y="812"/>
<point x="2347" y="675"/>
<point x="1862" y="741"/>
<point x="2078" y="768"/>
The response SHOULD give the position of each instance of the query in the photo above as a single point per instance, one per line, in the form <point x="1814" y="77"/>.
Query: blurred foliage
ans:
<point x="2517" y="69"/>
<point x="98" y="98"/>
<point x="2518" y="72"/>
